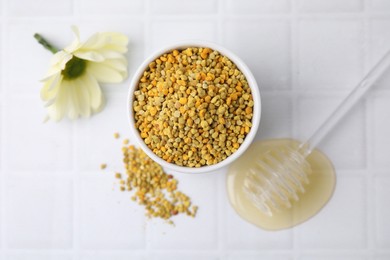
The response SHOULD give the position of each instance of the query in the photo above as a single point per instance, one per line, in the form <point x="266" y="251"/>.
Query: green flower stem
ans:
<point x="45" y="43"/>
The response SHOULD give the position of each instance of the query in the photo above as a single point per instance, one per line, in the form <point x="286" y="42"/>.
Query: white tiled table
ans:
<point x="55" y="203"/>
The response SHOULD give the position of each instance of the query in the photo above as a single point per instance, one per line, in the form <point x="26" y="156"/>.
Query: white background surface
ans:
<point x="55" y="203"/>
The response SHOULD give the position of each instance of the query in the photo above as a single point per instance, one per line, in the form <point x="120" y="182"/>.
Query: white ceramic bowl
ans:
<point x="256" y="110"/>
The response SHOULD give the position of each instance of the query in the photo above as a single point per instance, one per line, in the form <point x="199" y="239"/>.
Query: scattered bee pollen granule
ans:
<point x="156" y="190"/>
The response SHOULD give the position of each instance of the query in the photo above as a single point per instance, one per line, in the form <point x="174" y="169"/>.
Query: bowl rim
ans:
<point x="240" y="65"/>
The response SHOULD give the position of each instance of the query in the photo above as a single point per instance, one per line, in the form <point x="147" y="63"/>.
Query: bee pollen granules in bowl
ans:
<point x="193" y="107"/>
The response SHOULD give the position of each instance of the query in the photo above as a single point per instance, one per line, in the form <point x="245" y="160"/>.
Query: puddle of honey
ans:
<point x="317" y="192"/>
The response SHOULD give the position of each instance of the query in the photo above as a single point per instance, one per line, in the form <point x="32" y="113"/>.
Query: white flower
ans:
<point x="71" y="86"/>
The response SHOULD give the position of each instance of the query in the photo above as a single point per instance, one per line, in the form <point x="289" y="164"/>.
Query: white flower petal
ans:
<point x="111" y="54"/>
<point x="94" y="42"/>
<point x="76" y="44"/>
<point x="76" y="98"/>
<point x="94" y="92"/>
<point x="73" y="106"/>
<point x="107" y="40"/>
<point x="53" y="114"/>
<point x="59" y="57"/>
<point x="104" y="73"/>
<point x="84" y="98"/>
<point x="58" y="63"/>
<point x="56" y="111"/>
<point x="102" y="46"/>
<point x="50" y="102"/>
<point x="118" y="64"/>
<point x="80" y="97"/>
<point x="102" y="103"/>
<point x="50" y="87"/>
<point x="76" y="32"/>
<point x="115" y="47"/>
<point x="89" y="55"/>
<point x="116" y="39"/>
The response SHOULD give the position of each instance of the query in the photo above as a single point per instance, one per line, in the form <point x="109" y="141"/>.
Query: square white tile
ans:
<point x="346" y="144"/>
<point x="380" y="87"/>
<point x="381" y="130"/>
<point x="52" y="8"/>
<point x="332" y="6"/>
<point x="264" y="256"/>
<point x="37" y="256"/>
<point x="382" y="212"/>
<point x="2" y="75"/>
<point x="2" y="53"/>
<point x="329" y="53"/>
<point x="185" y="256"/>
<point x="40" y="146"/>
<point x="379" y="38"/>
<point x="341" y="224"/>
<point x="334" y="256"/>
<point x="107" y="149"/>
<point x="2" y="227"/>
<point x="111" y="256"/>
<point x="177" y="7"/>
<point x="117" y="7"/>
<point x="257" y="6"/>
<point x="1" y="134"/>
<point x="380" y="5"/>
<point x="170" y="31"/>
<point x="109" y="219"/>
<point x="383" y="256"/>
<point x="39" y="213"/>
<point x="264" y="45"/>
<point x="276" y="116"/>
<point x="241" y="235"/>
<point x="201" y="231"/>
<point x="379" y="46"/>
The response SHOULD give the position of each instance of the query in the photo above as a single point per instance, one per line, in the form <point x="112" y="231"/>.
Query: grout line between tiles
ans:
<point x="370" y="176"/>
<point x="221" y="217"/>
<point x="294" y="72"/>
<point x="370" y="98"/>
<point x="76" y="8"/>
<point x="304" y="16"/>
<point x="370" y="206"/>
<point x="76" y="179"/>
<point x="73" y="8"/>
<point x="316" y="15"/>
<point x="3" y="178"/>
<point x="197" y="16"/>
<point x="147" y="29"/>
<point x="365" y="67"/>
<point x="221" y="22"/>
<point x="370" y="215"/>
<point x="205" y="252"/>
<point x="294" y="48"/>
